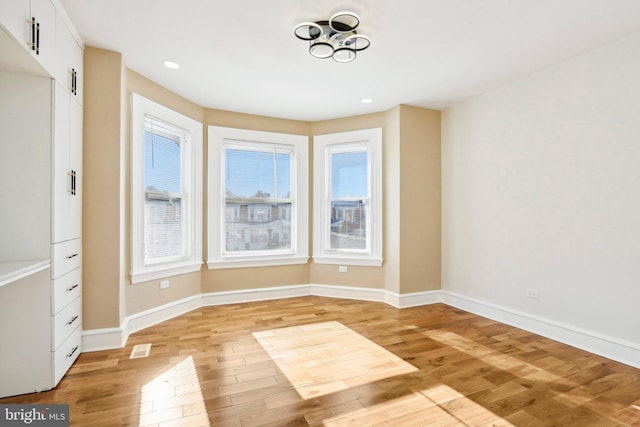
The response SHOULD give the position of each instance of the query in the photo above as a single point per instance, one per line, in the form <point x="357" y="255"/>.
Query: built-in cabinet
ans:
<point x="67" y="167"/>
<point x="40" y="196"/>
<point x="33" y="24"/>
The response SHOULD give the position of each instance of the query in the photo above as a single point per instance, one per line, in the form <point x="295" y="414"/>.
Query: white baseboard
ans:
<point x="378" y="295"/>
<point x="252" y="295"/>
<point x="417" y="299"/>
<point x="348" y="292"/>
<point x="609" y="347"/>
<point x="153" y="316"/>
<point x="104" y="339"/>
<point x="110" y="338"/>
<point x="606" y="346"/>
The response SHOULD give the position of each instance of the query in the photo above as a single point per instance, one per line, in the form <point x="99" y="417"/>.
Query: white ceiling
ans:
<point x="241" y="55"/>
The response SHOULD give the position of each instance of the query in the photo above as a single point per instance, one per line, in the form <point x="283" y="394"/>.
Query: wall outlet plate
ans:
<point x="343" y="269"/>
<point x="164" y="284"/>
<point x="533" y="293"/>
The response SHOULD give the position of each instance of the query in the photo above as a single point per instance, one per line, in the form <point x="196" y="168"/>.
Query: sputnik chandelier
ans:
<point x="336" y="38"/>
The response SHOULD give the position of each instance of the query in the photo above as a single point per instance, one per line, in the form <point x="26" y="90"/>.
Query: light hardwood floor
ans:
<point x="320" y="361"/>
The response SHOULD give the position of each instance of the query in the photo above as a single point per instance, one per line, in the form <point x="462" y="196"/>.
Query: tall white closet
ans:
<point x="40" y="195"/>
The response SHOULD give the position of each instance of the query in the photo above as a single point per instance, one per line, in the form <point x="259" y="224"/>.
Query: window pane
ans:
<point x="163" y="228"/>
<point x="258" y="226"/>
<point x="283" y="169"/>
<point x="262" y="174"/>
<point x="349" y="224"/>
<point x="161" y="163"/>
<point x="349" y="174"/>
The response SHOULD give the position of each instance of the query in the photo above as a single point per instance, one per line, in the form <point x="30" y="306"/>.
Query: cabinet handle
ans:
<point x="71" y="256"/>
<point x="73" y="88"/>
<point x="70" y="183"/>
<point x="73" y="287"/>
<point x="72" y="187"/>
<point x="38" y="38"/>
<point x="32" y="43"/>
<point x="73" y="351"/>
<point x="73" y="319"/>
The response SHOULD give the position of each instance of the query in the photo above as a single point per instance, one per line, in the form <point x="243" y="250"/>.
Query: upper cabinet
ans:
<point x="33" y="24"/>
<point x="69" y="61"/>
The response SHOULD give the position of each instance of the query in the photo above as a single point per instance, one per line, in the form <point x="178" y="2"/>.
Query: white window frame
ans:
<point x="324" y="145"/>
<point x="221" y="138"/>
<point x="191" y="135"/>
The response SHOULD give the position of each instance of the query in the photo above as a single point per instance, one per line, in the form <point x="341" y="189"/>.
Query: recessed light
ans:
<point x="171" y="64"/>
<point x="367" y="101"/>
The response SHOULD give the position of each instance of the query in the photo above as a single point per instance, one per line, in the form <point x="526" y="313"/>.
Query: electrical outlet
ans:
<point x="533" y="293"/>
<point x="164" y="284"/>
<point x="343" y="269"/>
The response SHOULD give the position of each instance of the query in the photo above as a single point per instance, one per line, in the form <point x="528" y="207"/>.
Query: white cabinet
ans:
<point x="40" y="313"/>
<point x="38" y="347"/>
<point x="67" y="167"/>
<point x="41" y="197"/>
<point x="33" y="24"/>
<point x="69" y="62"/>
<point x="25" y="354"/>
<point x="66" y="219"/>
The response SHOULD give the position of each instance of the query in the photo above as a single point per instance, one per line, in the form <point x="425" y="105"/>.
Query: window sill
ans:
<point x="347" y="260"/>
<point x="256" y="262"/>
<point x="161" y="272"/>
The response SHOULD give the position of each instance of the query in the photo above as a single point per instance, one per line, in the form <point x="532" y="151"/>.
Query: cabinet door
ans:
<point x="13" y="17"/>
<point x="75" y="164"/>
<point x="45" y="14"/>
<point x="62" y="224"/>
<point x="67" y="167"/>
<point x="68" y="59"/>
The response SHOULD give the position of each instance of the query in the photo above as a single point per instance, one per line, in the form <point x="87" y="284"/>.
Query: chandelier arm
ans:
<point x="313" y="29"/>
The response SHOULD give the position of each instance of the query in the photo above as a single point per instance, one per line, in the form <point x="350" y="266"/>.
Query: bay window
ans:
<point x="257" y="198"/>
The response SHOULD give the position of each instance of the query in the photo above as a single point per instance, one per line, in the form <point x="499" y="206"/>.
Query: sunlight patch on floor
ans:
<point x="174" y="398"/>
<point x="323" y="358"/>
<point x="437" y="406"/>
<point x="495" y="357"/>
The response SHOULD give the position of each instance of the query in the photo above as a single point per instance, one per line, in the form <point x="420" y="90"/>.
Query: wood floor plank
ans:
<point x="323" y="362"/>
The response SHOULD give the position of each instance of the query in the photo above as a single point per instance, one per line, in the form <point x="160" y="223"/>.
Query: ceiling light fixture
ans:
<point x="336" y="38"/>
<point x="171" y="64"/>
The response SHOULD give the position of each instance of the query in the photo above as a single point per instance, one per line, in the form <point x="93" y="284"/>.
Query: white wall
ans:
<point x="25" y="186"/>
<point x="541" y="189"/>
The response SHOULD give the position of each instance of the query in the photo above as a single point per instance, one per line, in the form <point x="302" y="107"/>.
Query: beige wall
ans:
<point x="101" y="183"/>
<point x="419" y="199"/>
<point x="391" y="199"/>
<point x="411" y="226"/>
